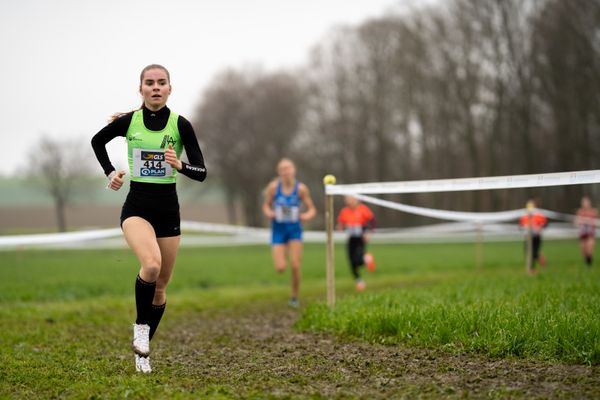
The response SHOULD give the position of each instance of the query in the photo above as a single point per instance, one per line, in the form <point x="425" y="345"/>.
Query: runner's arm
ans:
<point x="196" y="169"/>
<point x="267" y="203"/>
<point x="311" y="211"/>
<point x="116" y="128"/>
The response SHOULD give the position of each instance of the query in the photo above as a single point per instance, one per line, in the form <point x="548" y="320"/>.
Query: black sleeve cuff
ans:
<point x="194" y="172"/>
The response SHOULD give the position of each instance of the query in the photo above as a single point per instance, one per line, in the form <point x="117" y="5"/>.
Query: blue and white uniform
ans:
<point x="286" y="225"/>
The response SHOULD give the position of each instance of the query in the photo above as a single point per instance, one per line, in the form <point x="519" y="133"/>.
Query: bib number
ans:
<point x="150" y="164"/>
<point x="588" y="229"/>
<point x="286" y="214"/>
<point x="354" y="230"/>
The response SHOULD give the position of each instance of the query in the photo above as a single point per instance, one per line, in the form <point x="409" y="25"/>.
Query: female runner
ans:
<point x="150" y="219"/>
<point x="586" y="222"/>
<point x="283" y="198"/>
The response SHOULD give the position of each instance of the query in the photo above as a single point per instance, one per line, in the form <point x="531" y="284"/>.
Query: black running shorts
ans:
<point x="157" y="203"/>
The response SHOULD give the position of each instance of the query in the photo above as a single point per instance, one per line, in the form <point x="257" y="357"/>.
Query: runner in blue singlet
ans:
<point x="283" y="198"/>
<point x="286" y="224"/>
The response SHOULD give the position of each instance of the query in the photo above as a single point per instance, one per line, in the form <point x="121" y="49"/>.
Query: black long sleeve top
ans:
<point x="154" y="121"/>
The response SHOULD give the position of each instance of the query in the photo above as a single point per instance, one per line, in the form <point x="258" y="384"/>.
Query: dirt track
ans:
<point x="260" y="352"/>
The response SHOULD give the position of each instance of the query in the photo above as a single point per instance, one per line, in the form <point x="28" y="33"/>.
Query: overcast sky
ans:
<point x="67" y="65"/>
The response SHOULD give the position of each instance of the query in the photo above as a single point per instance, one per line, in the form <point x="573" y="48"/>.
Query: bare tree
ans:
<point x="455" y="89"/>
<point x="248" y="120"/>
<point x="567" y="35"/>
<point x="62" y="169"/>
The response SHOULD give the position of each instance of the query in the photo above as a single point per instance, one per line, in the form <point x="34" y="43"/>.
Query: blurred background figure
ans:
<point x="586" y="222"/>
<point x="534" y="221"/>
<point x="283" y="198"/>
<point x="358" y="220"/>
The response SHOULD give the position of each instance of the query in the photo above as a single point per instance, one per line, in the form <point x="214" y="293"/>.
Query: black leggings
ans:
<point x="536" y="245"/>
<point x="356" y="252"/>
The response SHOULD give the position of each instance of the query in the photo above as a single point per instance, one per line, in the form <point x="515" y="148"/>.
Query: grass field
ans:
<point x="227" y="333"/>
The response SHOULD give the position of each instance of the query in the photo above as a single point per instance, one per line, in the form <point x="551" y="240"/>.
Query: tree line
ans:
<point x="462" y="88"/>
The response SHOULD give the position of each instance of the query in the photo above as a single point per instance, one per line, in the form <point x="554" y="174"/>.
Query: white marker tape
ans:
<point x="456" y="185"/>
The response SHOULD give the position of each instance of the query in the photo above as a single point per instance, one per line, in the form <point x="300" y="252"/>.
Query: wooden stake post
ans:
<point x="529" y="258"/>
<point x="329" y="224"/>
<point x="479" y="246"/>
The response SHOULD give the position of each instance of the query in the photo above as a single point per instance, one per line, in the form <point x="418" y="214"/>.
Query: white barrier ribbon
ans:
<point x="53" y="238"/>
<point x="239" y="235"/>
<point x="462" y="216"/>
<point x="222" y="228"/>
<point x="455" y="185"/>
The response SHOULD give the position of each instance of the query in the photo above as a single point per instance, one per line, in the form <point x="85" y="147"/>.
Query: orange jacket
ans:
<point x="538" y="221"/>
<point x="361" y="215"/>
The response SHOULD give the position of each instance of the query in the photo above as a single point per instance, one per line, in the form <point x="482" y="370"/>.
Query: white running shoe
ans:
<point x="142" y="364"/>
<point x="141" y="339"/>
<point x="360" y="285"/>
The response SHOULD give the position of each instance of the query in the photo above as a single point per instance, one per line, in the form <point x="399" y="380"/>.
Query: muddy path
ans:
<point x="257" y="352"/>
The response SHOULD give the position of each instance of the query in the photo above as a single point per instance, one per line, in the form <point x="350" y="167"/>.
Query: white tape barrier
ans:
<point x="248" y="234"/>
<point x="222" y="228"/>
<point x="475" y="217"/>
<point x="252" y="235"/>
<point x="444" y="214"/>
<point x="468" y="232"/>
<point x="455" y="185"/>
<point x="98" y="234"/>
<point x="231" y="235"/>
<point x="236" y="235"/>
<point x="55" y="238"/>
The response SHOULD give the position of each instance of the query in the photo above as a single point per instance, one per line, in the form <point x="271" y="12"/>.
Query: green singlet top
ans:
<point x="146" y="150"/>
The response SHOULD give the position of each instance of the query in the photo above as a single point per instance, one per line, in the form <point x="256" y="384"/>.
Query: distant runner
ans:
<point x="538" y="222"/>
<point x="358" y="221"/>
<point x="586" y="222"/>
<point x="283" y="198"/>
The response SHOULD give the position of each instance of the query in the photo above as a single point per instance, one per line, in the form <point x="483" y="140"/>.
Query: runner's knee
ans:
<point x="280" y="266"/>
<point x="151" y="266"/>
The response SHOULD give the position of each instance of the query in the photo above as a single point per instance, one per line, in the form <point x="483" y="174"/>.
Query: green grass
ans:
<point x="63" y="313"/>
<point x="71" y="275"/>
<point x="63" y="316"/>
<point x="497" y="310"/>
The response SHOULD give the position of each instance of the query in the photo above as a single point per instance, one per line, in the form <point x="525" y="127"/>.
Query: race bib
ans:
<point x="286" y="214"/>
<point x="150" y="163"/>
<point x="354" y="230"/>
<point x="588" y="229"/>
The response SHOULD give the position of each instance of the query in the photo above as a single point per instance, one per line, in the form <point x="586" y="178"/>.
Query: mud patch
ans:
<point x="257" y="352"/>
